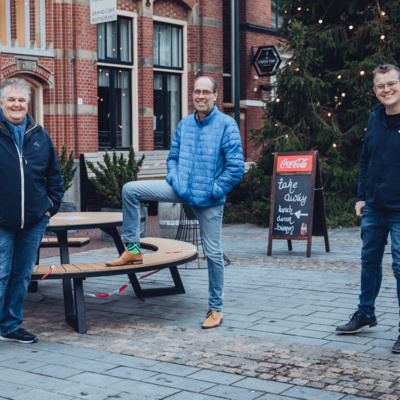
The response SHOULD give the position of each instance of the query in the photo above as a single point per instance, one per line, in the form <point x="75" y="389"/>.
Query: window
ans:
<point x="167" y="108"/>
<point x="167" y="46"/>
<point x="114" y="107"/>
<point x="168" y="62"/>
<point x="276" y="19"/>
<point x="23" y="27"/>
<point x="114" y="41"/>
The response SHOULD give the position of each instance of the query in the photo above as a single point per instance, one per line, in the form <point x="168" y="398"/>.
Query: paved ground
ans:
<point x="277" y="340"/>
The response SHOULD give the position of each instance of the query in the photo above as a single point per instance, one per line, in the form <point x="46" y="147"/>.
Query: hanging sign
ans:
<point x="103" y="11"/>
<point x="297" y="205"/>
<point x="266" y="60"/>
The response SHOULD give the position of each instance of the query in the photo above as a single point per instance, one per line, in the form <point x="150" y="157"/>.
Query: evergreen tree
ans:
<point x="323" y="96"/>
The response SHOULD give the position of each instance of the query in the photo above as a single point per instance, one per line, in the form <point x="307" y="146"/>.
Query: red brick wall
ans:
<point x="68" y="30"/>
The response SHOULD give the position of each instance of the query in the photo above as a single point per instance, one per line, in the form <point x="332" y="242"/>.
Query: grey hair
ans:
<point x="384" y="68"/>
<point x="15" y="84"/>
<point x="214" y="84"/>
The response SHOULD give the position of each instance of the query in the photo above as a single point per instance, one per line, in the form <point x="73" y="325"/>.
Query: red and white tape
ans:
<point x="153" y="165"/>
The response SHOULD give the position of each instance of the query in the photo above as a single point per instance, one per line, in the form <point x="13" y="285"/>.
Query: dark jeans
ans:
<point x="375" y="228"/>
<point x="18" y="253"/>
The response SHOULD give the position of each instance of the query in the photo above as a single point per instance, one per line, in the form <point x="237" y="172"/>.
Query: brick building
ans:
<point x="128" y="81"/>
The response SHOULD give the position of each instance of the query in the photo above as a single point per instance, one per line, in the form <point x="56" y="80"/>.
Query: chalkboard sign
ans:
<point x="297" y="207"/>
<point x="292" y="205"/>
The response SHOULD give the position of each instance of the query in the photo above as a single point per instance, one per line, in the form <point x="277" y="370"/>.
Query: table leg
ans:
<point x="113" y="232"/>
<point x="162" y="291"/>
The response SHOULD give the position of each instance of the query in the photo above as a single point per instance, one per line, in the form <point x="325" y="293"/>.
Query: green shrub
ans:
<point x="67" y="167"/>
<point x="111" y="176"/>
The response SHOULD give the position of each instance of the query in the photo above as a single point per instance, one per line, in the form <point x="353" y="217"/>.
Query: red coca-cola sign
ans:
<point x="294" y="163"/>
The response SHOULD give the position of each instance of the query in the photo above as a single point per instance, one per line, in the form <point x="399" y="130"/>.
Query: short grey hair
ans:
<point x="214" y="84"/>
<point x="384" y="68"/>
<point x="15" y="84"/>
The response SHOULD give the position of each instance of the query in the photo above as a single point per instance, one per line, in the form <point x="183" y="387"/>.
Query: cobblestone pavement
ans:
<point x="277" y="340"/>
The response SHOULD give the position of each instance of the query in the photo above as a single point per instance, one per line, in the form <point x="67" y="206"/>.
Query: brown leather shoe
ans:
<point x="126" y="258"/>
<point x="213" y="319"/>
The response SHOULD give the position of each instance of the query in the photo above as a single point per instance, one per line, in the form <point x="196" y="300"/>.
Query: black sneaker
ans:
<point x="21" y="336"/>
<point x="357" y="322"/>
<point x="396" y="346"/>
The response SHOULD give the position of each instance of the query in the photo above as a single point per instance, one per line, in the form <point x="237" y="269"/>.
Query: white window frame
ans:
<point x="27" y="50"/>
<point x="134" y="77"/>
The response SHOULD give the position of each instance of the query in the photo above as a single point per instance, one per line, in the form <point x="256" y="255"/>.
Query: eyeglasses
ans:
<point x="390" y="85"/>
<point x="202" y="92"/>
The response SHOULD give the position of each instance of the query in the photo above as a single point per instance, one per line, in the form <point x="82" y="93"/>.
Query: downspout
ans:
<point x="235" y="58"/>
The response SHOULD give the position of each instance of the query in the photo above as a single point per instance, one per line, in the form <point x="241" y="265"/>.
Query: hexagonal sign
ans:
<point x="266" y="60"/>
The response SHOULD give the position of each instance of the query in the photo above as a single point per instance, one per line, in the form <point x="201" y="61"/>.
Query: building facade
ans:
<point x="128" y="82"/>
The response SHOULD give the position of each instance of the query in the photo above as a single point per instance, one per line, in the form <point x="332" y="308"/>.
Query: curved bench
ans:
<point x="166" y="254"/>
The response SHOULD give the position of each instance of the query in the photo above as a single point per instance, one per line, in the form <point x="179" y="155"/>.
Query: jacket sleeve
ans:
<point x="173" y="157"/>
<point x="233" y="162"/>
<point x="364" y="162"/>
<point x="55" y="184"/>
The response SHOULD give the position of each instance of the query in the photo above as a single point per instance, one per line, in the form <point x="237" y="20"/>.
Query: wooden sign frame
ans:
<point x="296" y="164"/>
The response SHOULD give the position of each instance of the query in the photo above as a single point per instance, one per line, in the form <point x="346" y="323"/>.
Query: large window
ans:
<point x="168" y="65"/>
<point x="167" y="46"/>
<point x="114" y="86"/>
<point x="114" y="107"/>
<point x="114" y="41"/>
<point x="167" y="108"/>
<point x="23" y="26"/>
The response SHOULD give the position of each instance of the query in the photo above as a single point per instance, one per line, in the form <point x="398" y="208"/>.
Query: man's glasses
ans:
<point x="202" y="92"/>
<point x="390" y="85"/>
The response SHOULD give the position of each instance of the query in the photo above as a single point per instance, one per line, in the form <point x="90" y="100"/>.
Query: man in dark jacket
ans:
<point x="31" y="188"/>
<point x="378" y="197"/>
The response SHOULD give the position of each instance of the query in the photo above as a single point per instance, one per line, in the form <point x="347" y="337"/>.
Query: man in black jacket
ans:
<point x="378" y="197"/>
<point x="31" y="189"/>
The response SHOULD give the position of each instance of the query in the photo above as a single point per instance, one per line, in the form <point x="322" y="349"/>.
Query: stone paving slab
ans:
<point x="277" y="341"/>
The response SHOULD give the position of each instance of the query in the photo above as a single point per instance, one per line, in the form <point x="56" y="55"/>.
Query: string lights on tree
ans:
<point x="325" y="94"/>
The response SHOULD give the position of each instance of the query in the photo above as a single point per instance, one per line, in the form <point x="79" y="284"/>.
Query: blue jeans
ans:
<point x="210" y="221"/>
<point x="18" y="254"/>
<point x="375" y="228"/>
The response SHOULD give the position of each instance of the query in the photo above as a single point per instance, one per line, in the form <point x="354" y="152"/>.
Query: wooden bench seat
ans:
<point x="165" y="253"/>
<point x="72" y="242"/>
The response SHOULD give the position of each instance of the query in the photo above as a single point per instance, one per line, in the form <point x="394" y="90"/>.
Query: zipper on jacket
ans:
<point x="21" y="167"/>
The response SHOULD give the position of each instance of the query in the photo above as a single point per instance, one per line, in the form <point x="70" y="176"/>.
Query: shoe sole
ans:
<point x="19" y="341"/>
<point x="395" y="351"/>
<point x="210" y="327"/>
<point x="129" y="263"/>
<point x="371" y="325"/>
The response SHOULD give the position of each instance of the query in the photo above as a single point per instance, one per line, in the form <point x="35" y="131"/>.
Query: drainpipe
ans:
<point x="235" y="82"/>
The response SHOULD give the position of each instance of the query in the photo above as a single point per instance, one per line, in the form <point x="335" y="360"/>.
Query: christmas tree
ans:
<point x="323" y="97"/>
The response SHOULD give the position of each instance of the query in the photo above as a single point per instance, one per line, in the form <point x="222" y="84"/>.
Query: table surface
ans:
<point x="84" y="220"/>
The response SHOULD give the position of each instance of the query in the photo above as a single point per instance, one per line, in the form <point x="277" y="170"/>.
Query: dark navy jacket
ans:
<point x="379" y="182"/>
<point x="31" y="182"/>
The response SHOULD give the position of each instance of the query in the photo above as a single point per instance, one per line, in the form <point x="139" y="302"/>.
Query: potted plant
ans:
<point x="68" y="173"/>
<point x="111" y="176"/>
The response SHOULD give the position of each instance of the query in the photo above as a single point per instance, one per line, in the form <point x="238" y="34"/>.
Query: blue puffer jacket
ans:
<point x="206" y="159"/>
<point x="30" y="182"/>
<point x="379" y="183"/>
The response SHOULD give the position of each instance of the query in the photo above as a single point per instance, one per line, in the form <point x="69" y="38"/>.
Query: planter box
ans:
<point x="143" y="224"/>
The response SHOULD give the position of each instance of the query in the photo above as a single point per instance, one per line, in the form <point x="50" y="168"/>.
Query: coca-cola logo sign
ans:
<point x="294" y="163"/>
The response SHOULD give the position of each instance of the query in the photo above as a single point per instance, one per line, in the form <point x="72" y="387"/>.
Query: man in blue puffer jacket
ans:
<point x="378" y="197"/>
<point x="205" y="162"/>
<point x="31" y="188"/>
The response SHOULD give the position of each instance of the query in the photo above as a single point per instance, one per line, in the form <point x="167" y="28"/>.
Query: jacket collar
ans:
<point x="207" y="119"/>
